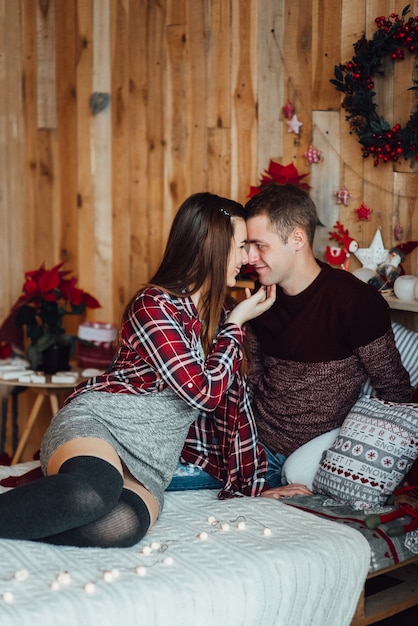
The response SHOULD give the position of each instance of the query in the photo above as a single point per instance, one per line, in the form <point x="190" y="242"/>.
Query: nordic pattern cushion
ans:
<point x="376" y="446"/>
<point x="407" y="343"/>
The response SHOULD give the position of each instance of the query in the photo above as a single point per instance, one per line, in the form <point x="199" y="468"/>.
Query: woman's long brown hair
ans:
<point x="196" y="257"/>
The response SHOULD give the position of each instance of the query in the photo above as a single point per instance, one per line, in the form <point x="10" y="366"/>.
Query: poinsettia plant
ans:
<point x="280" y="174"/>
<point x="47" y="296"/>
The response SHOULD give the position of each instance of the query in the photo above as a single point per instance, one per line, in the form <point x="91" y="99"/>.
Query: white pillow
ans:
<point x="302" y="465"/>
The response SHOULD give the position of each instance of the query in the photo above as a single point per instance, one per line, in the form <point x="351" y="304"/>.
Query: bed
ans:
<point x="241" y="562"/>
<point x="304" y="561"/>
<point x="392" y="581"/>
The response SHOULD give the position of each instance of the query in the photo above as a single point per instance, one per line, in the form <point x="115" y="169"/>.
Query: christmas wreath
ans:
<point x="394" y="36"/>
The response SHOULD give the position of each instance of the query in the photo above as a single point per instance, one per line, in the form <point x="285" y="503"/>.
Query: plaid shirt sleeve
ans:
<point x="168" y="341"/>
<point x="225" y="444"/>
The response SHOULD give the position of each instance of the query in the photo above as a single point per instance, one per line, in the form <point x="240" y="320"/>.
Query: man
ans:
<point x="324" y="336"/>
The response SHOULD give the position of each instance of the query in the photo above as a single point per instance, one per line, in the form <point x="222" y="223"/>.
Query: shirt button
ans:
<point x="190" y="385"/>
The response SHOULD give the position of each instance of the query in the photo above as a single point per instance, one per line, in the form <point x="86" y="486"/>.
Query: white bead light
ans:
<point x="90" y="588"/>
<point x="64" y="578"/>
<point x="21" y="575"/>
<point x="8" y="597"/>
<point x="141" y="570"/>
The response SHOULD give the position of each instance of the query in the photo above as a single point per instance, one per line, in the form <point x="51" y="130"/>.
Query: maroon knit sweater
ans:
<point x="312" y="352"/>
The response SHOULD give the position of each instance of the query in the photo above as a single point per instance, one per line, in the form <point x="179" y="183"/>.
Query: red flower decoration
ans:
<point x="280" y="174"/>
<point x="288" y="110"/>
<point x="363" y="213"/>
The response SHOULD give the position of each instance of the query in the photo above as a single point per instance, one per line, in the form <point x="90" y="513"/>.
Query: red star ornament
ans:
<point x="312" y="155"/>
<point x="294" y="124"/>
<point x="288" y="110"/>
<point x="363" y="213"/>
<point x="343" y="196"/>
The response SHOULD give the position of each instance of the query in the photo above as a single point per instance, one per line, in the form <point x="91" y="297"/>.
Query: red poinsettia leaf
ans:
<point x="285" y="173"/>
<point x="90" y="301"/>
<point x="254" y="191"/>
<point x="49" y="280"/>
<point x="30" y="287"/>
<point x="282" y="173"/>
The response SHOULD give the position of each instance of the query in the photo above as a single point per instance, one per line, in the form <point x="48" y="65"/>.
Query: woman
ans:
<point x="110" y="452"/>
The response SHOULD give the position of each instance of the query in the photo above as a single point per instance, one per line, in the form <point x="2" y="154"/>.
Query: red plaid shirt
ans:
<point x="160" y="347"/>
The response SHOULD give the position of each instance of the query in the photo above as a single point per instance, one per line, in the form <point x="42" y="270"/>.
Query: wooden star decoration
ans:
<point x="375" y="254"/>
<point x="294" y="124"/>
<point x="343" y="196"/>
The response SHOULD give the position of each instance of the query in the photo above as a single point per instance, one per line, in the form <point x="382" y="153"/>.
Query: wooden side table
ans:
<point x="42" y="390"/>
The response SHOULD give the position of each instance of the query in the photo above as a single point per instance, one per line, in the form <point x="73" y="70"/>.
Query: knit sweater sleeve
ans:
<point x="382" y="361"/>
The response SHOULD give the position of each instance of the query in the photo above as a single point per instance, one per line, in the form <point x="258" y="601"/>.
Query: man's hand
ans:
<point x="286" y="491"/>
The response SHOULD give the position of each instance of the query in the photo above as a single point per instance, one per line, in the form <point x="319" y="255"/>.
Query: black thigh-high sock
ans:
<point x="85" y="489"/>
<point x="125" y="525"/>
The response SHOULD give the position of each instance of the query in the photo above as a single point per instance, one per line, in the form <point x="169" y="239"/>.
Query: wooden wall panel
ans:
<point x="325" y="174"/>
<point x="326" y="47"/>
<point x="196" y="90"/>
<point x="270" y="85"/>
<point x="138" y="160"/>
<point x="243" y="131"/>
<point x="156" y="139"/>
<point x="297" y="76"/>
<point x="85" y="173"/>
<point x="12" y="213"/>
<point x="66" y="37"/>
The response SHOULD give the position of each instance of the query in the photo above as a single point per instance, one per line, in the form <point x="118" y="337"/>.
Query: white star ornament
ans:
<point x="294" y="125"/>
<point x="375" y="254"/>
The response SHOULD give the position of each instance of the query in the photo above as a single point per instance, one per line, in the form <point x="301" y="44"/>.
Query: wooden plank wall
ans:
<point x="113" y="111"/>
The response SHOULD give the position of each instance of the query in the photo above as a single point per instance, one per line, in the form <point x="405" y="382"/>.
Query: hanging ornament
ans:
<point x="343" y="196"/>
<point x="341" y="255"/>
<point x="375" y="254"/>
<point x="294" y="124"/>
<point x="312" y="155"/>
<point x="398" y="231"/>
<point x="363" y="213"/>
<point x="288" y="110"/>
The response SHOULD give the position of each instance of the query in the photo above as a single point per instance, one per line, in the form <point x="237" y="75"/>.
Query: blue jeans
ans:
<point x="275" y="462"/>
<point x="190" y="476"/>
<point x="187" y="477"/>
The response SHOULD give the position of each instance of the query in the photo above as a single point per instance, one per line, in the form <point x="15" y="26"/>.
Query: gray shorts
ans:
<point x="147" y="431"/>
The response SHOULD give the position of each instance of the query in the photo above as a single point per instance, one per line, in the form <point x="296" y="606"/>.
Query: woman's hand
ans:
<point x="253" y="305"/>
<point x="286" y="491"/>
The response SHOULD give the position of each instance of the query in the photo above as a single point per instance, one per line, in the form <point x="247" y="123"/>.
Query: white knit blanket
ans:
<point x="279" y="567"/>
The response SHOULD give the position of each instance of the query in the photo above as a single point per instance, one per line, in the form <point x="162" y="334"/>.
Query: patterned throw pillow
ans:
<point x="376" y="446"/>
